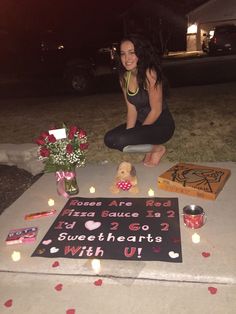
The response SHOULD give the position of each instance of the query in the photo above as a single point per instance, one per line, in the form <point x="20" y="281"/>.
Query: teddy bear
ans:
<point x="125" y="179"/>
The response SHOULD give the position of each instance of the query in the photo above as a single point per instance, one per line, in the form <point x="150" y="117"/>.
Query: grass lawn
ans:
<point x="205" y="118"/>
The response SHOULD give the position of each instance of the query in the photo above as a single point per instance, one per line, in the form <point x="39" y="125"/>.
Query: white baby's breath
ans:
<point x="63" y="154"/>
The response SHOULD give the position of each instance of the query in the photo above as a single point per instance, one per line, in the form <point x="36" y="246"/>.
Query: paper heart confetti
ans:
<point x="98" y="282"/>
<point x="70" y="311"/>
<point x="206" y="254"/>
<point x="92" y="225"/>
<point x="8" y="303"/>
<point x="46" y="242"/>
<point x="58" y="287"/>
<point x="124" y="185"/>
<point x="54" y="250"/>
<point x="172" y="254"/>
<point x="212" y="290"/>
<point x="55" y="264"/>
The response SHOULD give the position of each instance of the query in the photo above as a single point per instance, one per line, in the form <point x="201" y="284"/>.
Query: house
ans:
<point x="205" y="17"/>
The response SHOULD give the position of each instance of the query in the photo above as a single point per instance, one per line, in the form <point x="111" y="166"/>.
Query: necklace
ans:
<point x="127" y="86"/>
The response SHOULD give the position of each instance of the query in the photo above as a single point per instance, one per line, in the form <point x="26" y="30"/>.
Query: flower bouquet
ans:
<point x="62" y="150"/>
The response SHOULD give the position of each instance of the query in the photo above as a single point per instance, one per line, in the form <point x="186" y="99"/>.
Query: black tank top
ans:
<point x="140" y="100"/>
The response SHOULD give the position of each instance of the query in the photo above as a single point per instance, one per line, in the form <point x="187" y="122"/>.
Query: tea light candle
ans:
<point x="96" y="265"/>
<point x="51" y="202"/>
<point x="195" y="238"/>
<point x="150" y="192"/>
<point x="92" y="189"/>
<point x="15" y="256"/>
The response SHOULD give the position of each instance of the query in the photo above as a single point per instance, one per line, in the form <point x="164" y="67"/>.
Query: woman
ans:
<point x="149" y="120"/>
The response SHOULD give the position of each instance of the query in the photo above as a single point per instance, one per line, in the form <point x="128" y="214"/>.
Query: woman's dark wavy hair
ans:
<point x="148" y="58"/>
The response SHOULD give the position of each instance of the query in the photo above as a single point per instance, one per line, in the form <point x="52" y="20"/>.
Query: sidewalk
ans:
<point x="35" y="286"/>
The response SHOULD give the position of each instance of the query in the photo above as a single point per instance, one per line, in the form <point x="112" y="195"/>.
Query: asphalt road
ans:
<point x="180" y="70"/>
<point x="200" y="70"/>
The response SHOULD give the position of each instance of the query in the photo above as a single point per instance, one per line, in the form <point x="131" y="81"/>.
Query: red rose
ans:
<point x="72" y="131"/>
<point x="83" y="146"/>
<point x="51" y="138"/>
<point x="44" y="135"/>
<point x="40" y="141"/>
<point x="82" y="133"/>
<point x="44" y="152"/>
<point x="69" y="149"/>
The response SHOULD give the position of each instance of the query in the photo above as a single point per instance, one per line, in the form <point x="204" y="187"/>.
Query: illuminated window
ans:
<point x="192" y="29"/>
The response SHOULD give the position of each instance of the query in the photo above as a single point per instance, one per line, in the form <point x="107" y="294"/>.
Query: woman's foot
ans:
<point x="155" y="156"/>
<point x="147" y="158"/>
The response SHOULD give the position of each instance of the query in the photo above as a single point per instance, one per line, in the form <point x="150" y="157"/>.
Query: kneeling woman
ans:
<point x="149" y="120"/>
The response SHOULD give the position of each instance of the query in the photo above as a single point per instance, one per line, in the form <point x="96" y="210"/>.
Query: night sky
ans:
<point x="96" y="20"/>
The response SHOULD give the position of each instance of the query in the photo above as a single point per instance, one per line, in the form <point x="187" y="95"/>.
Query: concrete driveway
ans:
<point x="205" y="282"/>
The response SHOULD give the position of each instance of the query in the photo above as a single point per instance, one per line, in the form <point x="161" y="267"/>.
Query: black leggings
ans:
<point x="157" y="133"/>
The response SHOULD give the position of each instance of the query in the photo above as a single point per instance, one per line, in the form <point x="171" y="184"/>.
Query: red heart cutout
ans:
<point x="98" y="282"/>
<point x="55" y="264"/>
<point x="58" y="287"/>
<point x="206" y="254"/>
<point x="212" y="290"/>
<point x="70" y="311"/>
<point x="8" y="303"/>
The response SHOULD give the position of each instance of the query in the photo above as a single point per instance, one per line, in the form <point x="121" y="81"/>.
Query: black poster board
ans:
<point x="115" y="228"/>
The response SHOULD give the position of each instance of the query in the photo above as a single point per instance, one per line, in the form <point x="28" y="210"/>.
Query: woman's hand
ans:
<point x="155" y="98"/>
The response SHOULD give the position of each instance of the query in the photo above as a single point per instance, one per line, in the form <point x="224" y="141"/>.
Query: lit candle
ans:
<point x="195" y="238"/>
<point x="51" y="202"/>
<point x="15" y="256"/>
<point x="92" y="189"/>
<point x="150" y="192"/>
<point x="96" y="265"/>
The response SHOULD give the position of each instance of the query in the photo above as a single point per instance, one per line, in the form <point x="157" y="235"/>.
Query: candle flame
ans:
<point x="96" y="265"/>
<point x="92" y="189"/>
<point x="51" y="202"/>
<point x="150" y="192"/>
<point x="15" y="256"/>
<point x="196" y="238"/>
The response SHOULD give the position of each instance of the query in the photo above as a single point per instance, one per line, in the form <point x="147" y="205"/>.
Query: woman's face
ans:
<point x="128" y="56"/>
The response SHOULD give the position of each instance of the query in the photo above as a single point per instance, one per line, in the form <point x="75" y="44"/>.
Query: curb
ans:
<point x="24" y="156"/>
